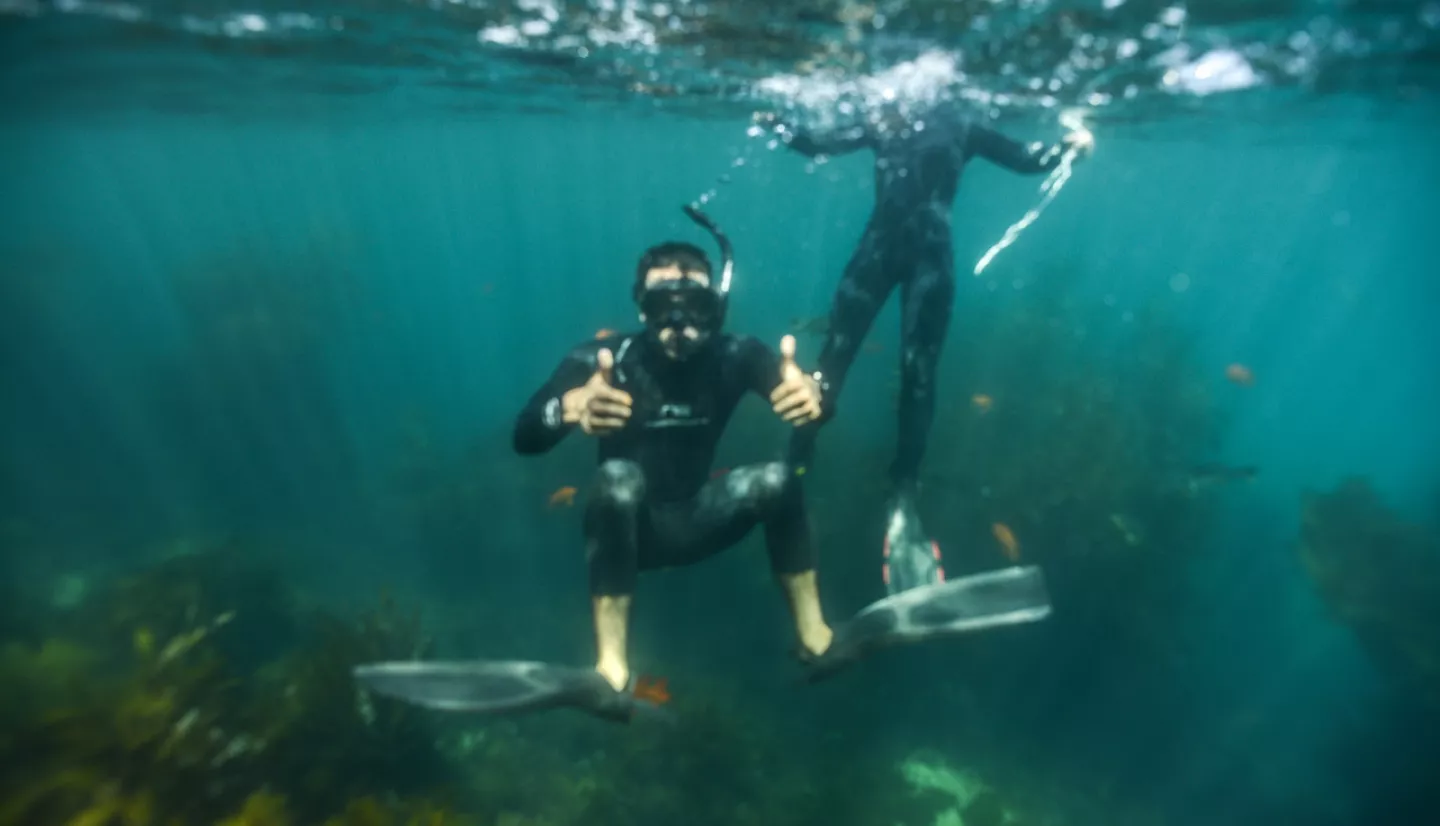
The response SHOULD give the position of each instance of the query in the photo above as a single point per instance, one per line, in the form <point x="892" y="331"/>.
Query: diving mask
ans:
<point x="682" y="315"/>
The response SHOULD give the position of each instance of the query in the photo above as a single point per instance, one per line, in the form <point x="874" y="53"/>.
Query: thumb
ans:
<point x="787" y="356"/>
<point x="606" y="364"/>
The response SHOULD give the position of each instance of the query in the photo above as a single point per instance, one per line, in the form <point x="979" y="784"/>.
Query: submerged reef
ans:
<point x="155" y="704"/>
<point x="145" y="706"/>
<point x="1379" y="575"/>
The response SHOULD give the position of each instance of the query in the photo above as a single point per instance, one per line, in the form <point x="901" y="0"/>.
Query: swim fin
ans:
<point x="497" y="687"/>
<point x="961" y="606"/>
<point x="912" y="559"/>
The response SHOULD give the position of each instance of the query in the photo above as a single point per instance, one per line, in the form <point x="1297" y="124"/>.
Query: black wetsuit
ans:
<point x="906" y="242"/>
<point x="653" y="504"/>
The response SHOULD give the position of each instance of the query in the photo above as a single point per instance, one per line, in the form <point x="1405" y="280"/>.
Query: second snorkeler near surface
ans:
<point x="920" y="155"/>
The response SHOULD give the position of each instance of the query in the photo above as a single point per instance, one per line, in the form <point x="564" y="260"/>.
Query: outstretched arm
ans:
<point x="1011" y="154"/>
<point x="541" y="424"/>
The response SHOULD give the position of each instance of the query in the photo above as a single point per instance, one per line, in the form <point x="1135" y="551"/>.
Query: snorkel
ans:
<point x="682" y="314"/>
<point x="727" y="255"/>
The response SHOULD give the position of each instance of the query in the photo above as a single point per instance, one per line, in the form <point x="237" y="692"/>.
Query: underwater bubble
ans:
<point x="499" y="35"/>
<point x="1173" y="16"/>
<point x="1179" y="282"/>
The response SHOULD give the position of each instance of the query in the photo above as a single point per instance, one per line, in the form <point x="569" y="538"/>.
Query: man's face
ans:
<point x="670" y="337"/>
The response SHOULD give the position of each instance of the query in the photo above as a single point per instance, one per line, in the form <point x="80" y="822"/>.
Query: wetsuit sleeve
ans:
<point x="1011" y="154"/>
<point x="834" y="142"/>
<point x="541" y="425"/>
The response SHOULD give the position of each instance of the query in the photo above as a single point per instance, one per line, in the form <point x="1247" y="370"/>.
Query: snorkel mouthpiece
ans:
<point x="682" y="315"/>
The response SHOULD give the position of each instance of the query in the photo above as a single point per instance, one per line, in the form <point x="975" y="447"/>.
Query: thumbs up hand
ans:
<point x="797" y="398"/>
<point x="597" y="405"/>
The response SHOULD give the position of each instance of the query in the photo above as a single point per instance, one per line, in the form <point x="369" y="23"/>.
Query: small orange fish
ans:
<point x="652" y="690"/>
<point x="718" y="472"/>
<point x="1009" y="545"/>
<point x="1240" y="374"/>
<point x="873" y="347"/>
<point x="981" y="402"/>
<point x="563" y="497"/>
<point x="604" y="333"/>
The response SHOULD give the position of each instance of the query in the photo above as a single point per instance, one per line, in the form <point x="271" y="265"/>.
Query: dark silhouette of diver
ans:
<point x="918" y="161"/>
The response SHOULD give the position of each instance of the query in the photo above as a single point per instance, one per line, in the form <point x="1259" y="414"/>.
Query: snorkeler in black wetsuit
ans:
<point x="918" y="161"/>
<point x="660" y="402"/>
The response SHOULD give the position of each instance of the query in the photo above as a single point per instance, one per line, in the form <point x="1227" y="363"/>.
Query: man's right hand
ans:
<point x="597" y="406"/>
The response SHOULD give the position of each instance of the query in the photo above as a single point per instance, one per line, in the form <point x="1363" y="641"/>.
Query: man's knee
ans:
<point x="619" y="483"/>
<point x="763" y="485"/>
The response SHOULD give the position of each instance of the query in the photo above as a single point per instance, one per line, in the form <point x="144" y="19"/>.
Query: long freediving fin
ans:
<point x="497" y="687"/>
<point x="961" y="606"/>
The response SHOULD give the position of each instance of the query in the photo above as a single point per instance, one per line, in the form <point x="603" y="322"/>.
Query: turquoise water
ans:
<point x="293" y="323"/>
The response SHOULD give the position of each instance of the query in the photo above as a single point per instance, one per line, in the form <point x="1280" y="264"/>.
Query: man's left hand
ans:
<point x="797" y="398"/>
<point x="1080" y="140"/>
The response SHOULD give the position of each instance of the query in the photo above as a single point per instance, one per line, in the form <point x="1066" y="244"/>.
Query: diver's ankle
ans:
<point x="616" y="673"/>
<point x="817" y="639"/>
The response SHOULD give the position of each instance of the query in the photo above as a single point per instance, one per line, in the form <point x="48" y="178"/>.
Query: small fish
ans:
<point x="1009" y="545"/>
<point x="603" y="333"/>
<point x="1129" y="531"/>
<point x="873" y="347"/>
<point x="563" y="497"/>
<point x="982" y="403"/>
<point x="1212" y="473"/>
<point x="652" y="690"/>
<point x="1240" y="374"/>
<point x="718" y="472"/>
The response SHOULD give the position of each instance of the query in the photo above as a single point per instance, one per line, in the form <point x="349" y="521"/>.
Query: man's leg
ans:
<point x="926" y="303"/>
<point x="912" y="559"/>
<point x="863" y="288"/>
<point x="727" y="508"/>
<point x="612" y="529"/>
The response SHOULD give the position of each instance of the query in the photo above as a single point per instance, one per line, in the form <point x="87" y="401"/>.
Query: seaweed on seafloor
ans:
<point x="134" y="726"/>
<point x="331" y="740"/>
<point x="1379" y="574"/>
<point x="368" y="811"/>
<point x="173" y="595"/>
<point x="162" y="740"/>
